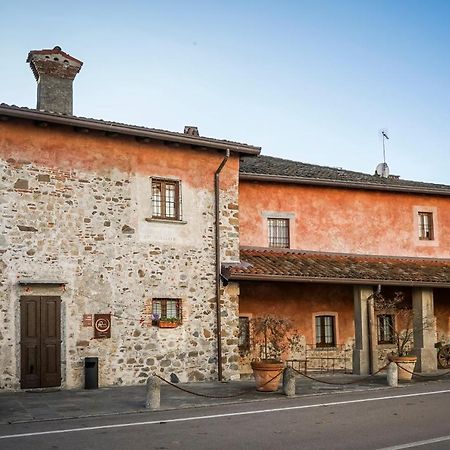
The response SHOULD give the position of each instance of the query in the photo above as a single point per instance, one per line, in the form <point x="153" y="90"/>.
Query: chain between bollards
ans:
<point x="154" y="386"/>
<point x="341" y="384"/>
<point x="239" y="394"/>
<point x="430" y="377"/>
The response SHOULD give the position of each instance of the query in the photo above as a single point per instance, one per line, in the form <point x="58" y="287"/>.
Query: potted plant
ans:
<point x="269" y="341"/>
<point x="401" y="329"/>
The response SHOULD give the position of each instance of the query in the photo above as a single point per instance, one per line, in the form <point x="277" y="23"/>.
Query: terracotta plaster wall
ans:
<point x="442" y="314"/>
<point x="73" y="209"/>
<point x="344" y="220"/>
<point x="64" y="149"/>
<point x="299" y="302"/>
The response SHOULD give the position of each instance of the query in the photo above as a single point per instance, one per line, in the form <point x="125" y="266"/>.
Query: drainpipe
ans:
<point x="218" y="268"/>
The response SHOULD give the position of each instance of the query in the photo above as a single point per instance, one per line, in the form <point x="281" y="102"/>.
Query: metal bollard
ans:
<point x="392" y="375"/>
<point x="153" y="393"/>
<point x="289" y="382"/>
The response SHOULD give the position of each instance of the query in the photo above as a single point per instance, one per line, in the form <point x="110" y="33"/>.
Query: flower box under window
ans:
<point x="168" y="323"/>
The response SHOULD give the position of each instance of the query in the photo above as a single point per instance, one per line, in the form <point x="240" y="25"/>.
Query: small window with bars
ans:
<point x="166" y="309"/>
<point x="385" y="328"/>
<point x="278" y="232"/>
<point x="165" y="199"/>
<point x="426" y="232"/>
<point x="244" y="334"/>
<point x="325" y="331"/>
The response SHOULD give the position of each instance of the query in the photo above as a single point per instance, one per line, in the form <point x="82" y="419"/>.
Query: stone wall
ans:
<point x="230" y="331"/>
<point x="87" y="230"/>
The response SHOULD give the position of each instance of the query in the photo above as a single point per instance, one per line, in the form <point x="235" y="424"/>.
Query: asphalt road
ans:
<point x="409" y="417"/>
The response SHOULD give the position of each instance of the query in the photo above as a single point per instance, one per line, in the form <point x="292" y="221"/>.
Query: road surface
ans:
<point x="416" y="416"/>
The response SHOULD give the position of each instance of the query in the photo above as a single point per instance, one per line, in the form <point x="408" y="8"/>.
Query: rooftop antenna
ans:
<point x="385" y="136"/>
<point x="382" y="169"/>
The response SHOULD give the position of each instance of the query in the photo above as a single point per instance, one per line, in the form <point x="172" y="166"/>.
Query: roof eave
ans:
<point x="323" y="280"/>
<point x="159" y="135"/>
<point x="339" y="183"/>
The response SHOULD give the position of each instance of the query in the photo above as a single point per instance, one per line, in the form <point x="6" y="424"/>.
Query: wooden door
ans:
<point x="40" y="323"/>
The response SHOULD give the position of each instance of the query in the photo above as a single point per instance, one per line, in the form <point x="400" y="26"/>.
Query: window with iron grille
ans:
<point x="278" y="232"/>
<point x="325" y="332"/>
<point x="426" y="226"/>
<point x="165" y="199"/>
<point x="385" y="328"/>
<point x="166" y="308"/>
<point x="244" y="334"/>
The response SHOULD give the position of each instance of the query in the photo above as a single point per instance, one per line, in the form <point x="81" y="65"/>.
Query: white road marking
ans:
<point x="418" y="443"/>
<point x="218" y="416"/>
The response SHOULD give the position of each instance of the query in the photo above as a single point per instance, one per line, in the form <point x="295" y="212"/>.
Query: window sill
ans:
<point x="325" y="347"/>
<point x="174" y="221"/>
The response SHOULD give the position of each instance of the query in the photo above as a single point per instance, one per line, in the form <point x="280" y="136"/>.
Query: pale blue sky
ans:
<point x="312" y="81"/>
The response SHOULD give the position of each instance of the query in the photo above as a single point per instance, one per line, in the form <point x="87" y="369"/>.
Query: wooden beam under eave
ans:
<point x="141" y="139"/>
<point x="81" y="130"/>
<point x="197" y="147"/>
<point x="172" y="144"/>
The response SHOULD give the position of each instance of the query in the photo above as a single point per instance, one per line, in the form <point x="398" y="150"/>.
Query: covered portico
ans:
<point x="345" y="284"/>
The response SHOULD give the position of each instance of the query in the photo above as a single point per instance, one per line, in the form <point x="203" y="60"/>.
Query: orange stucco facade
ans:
<point x="344" y="220"/>
<point x="442" y="313"/>
<point x="300" y="303"/>
<point x="64" y="149"/>
<point x="338" y="220"/>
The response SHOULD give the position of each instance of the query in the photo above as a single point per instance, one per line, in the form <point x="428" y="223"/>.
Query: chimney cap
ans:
<point x="51" y="51"/>
<point x="191" y="131"/>
<point x="54" y="62"/>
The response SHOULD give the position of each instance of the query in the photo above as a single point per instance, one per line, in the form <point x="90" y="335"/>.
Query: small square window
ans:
<point x="325" y="331"/>
<point x="166" y="308"/>
<point x="278" y="232"/>
<point x="426" y="231"/>
<point x="385" y="328"/>
<point x="165" y="199"/>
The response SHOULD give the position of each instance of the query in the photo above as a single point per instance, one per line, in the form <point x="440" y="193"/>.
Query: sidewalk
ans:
<point x="27" y="406"/>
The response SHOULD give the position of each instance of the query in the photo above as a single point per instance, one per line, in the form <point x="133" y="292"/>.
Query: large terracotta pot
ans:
<point x="405" y="362"/>
<point x="267" y="374"/>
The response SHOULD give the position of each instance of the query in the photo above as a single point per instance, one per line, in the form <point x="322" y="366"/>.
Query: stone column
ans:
<point x="361" y="353"/>
<point x="424" y="329"/>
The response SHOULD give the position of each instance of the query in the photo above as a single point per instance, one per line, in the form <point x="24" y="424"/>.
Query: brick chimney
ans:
<point x="54" y="71"/>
